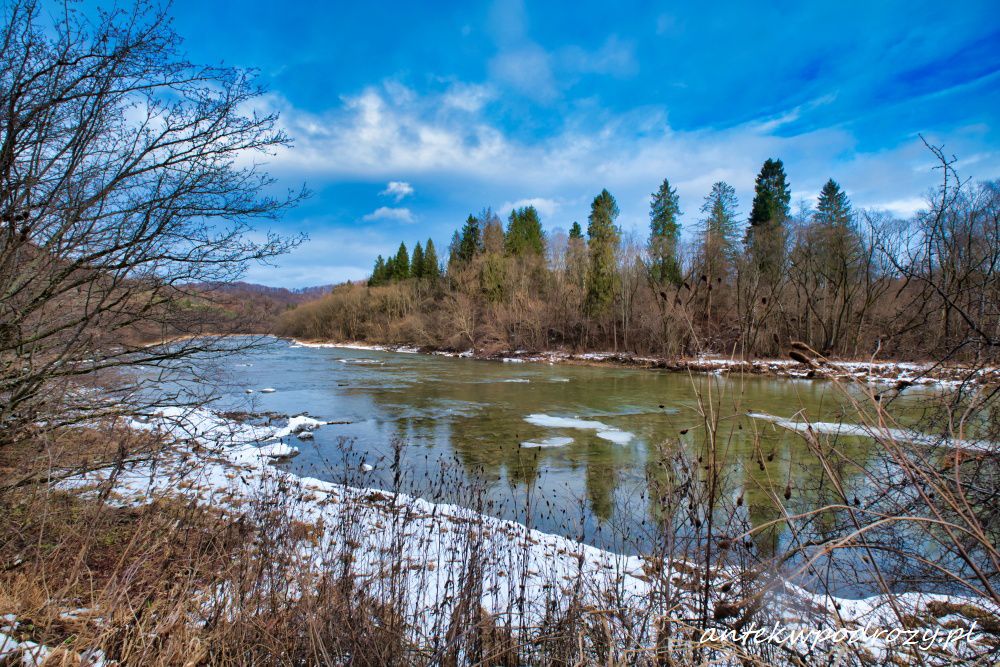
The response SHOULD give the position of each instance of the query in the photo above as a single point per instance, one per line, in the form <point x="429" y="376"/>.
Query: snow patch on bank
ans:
<point x="877" y="432"/>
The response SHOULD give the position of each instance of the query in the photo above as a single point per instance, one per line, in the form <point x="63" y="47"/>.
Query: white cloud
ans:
<point x="403" y="215"/>
<point x="375" y="136"/>
<point x="902" y="208"/>
<point x="468" y="97"/>
<point x="397" y="189"/>
<point x="546" y="207"/>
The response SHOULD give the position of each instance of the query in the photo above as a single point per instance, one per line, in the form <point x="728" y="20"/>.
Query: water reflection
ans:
<point x="459" y="423"/>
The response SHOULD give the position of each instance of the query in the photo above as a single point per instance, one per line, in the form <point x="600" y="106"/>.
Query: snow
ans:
<point x="548" y="442"/>
<point x="541" y="567"/>
<point x="31" y="654"/>
<point x="877" y="432"/>
<point x="268" y="390"/>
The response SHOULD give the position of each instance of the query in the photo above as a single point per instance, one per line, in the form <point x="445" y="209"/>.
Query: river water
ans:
<point x="573" y="450"/>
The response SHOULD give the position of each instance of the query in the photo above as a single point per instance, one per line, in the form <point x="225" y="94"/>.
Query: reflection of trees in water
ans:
<point x="601" y="482"/>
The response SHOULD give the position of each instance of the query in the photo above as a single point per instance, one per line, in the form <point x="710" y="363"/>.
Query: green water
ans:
<point x="452" y="430"/>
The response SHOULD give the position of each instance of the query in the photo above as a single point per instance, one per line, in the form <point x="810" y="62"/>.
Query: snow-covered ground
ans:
<point x="226" y="465"/>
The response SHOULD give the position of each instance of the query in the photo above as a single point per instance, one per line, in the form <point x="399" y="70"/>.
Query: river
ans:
<point x="568" y="449"/>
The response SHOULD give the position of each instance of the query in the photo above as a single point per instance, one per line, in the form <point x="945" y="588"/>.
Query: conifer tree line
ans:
<point x="423" y="265"/>
<point x="847" y="282"/>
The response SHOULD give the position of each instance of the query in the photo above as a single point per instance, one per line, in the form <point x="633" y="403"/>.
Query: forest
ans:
<point x="849" y="283"/>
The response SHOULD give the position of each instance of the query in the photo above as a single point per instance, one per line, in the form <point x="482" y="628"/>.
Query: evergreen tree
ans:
<point x="471" y="243"/>
<point x="718" y="234"/>
<point x="401" y="264"/>
<point x="833" y="208"/>
<point x="417" y="263"/>
<point x="454" y="251"/>
<point x="524" y="233"/>
<point x="603" y="241"/>
<point x="664" y="235"/>
<point x="431" y="269"/>
<point x="576" y="256"/>
<point x="766" y="235"/>
<point x="378" y="273"/>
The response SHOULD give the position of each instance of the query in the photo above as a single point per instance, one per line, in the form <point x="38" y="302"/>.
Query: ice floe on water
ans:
<point x="558" y="441"/>
<point x="549" y="421"/>
<point x="877" y="432"/>
<point x="616" y="436"/>
<point x="602" y="430"/>
<point x="522" y="380"/>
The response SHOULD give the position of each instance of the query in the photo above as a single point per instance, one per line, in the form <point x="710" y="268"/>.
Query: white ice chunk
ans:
<point x="548" y="442"/>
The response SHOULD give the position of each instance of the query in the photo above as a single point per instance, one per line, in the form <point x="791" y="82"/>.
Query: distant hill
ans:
<point x="282" y="295"/>
<point x="242" y="307"/>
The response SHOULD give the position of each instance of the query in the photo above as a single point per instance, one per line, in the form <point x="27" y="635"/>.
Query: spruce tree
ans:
<point x="431" y="269"/>
<point x="575" y="231"/>
<point x="417" y="263"/>
<point x="454" y="252"/>
<point x="835" y="238"/>
<point x="471" y="243"/>
<point x="833" y="208"/>
<point x="401" y="264"/>
<point x="664" y="235"/>
<point x="602" y="241"/>
<point x="378" y="273"/>
<point x="718" y="234"/>
<point x="766" y="235"/>
<point x="524" y="233"/>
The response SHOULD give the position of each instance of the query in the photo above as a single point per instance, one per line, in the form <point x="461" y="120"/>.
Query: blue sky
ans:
<point x="465" y="104"/>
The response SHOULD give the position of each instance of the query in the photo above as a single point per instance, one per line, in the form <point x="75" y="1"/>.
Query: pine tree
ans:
<point x="718" y="235"/>
<point x="417" y="263"/>
<point x="603" y="241"/>
<point x="471" y="243"/>
<point x="833" y="208"/>
<point x="664" y="228"/>
<point x="829" y="255"/>
<point x="766" y="235"/>
<point x="524" y="233"/>
<point x="576" y="256"/>
<point x="454" y="252"/>
<point x="431" y="269"/>
<point x="378" y="273"/>
<point x="401" y="264"/>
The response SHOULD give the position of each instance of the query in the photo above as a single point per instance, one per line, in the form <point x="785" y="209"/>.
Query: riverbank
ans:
<point x="425" y="558"/>
<point x="900" y="373"/>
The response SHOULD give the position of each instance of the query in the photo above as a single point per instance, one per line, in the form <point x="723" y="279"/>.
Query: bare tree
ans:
<point x="126" y="177"/>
